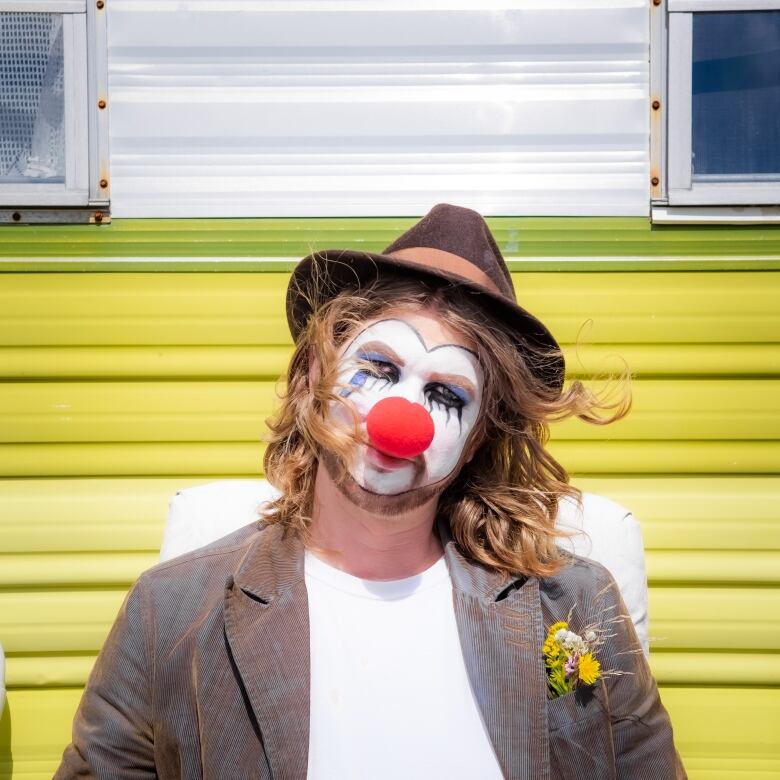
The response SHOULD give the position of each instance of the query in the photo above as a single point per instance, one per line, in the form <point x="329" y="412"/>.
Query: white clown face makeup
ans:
<point x="415" y="359"/>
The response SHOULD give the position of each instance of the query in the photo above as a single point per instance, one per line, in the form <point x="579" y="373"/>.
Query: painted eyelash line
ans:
<point x="447" y="411"/>
<point x="360" y="377"/>
<point x="373" y="358"/>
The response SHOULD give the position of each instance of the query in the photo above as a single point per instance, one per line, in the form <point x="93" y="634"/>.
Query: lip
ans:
<point x="384" y="461"/>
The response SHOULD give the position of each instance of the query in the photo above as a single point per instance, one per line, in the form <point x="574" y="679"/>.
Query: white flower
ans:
<point x="560" y="635"/>
<point x="590" y="636"/>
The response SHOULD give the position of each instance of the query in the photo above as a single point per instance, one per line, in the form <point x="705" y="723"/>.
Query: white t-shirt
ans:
<point x="390" y="696"/>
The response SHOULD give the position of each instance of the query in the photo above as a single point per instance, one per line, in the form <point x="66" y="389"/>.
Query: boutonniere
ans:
<point x="570" y="659"/>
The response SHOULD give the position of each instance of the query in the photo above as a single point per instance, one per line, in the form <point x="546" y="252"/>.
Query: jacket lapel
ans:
<point x="267" y="627"/>
<point x="499" y="621"/>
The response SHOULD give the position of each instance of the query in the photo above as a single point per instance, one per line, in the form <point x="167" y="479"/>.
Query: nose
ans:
<point x="400" y="428"/>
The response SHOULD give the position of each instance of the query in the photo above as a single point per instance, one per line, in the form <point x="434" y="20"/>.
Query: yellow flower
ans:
<point x="552" y="652"/>
<point x="556" y="627"/>
<point x="589" y="669"/>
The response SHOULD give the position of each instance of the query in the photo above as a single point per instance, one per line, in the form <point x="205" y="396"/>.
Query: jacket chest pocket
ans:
<point x="581" y="737"/>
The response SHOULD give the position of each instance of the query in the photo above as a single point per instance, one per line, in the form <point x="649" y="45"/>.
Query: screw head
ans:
<point x="100" y="3"/>
<point x="16" y="216"/>
<point x="656" y="105"/>
<point x="101" y="103"/>
<point x="98" y="216"/>
<point x="104" y="183"/>
<point x="656" y="2"/>
<point x="654" y="181"/>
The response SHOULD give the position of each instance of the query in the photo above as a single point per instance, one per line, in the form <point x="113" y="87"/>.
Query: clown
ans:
<point x="418" y="400"/>
<point x="388" y="615"/>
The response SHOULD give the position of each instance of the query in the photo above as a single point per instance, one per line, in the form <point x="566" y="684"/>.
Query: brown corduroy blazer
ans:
<point x="205" y="673"/>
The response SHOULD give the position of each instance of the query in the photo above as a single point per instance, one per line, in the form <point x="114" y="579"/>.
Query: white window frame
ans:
<point x="681" y="189"/>
<point x="85" y="124"/>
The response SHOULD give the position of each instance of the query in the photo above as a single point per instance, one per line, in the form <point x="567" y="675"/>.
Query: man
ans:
<point x="387" y="615"/>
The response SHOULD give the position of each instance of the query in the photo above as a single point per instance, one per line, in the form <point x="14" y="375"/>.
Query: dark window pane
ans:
<point x="736" y="96"/>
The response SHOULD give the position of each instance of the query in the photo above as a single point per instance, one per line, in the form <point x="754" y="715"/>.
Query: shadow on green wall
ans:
<point x="6" y="759"/>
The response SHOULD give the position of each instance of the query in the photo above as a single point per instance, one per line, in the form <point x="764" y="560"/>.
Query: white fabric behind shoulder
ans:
<point x="202" y="514"/>
<point x="610" y="534"/>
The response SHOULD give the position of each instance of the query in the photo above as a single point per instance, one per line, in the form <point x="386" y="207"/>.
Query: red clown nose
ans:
<point x="400" y="428"/>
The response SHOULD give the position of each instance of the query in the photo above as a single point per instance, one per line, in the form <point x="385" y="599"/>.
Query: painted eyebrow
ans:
<point x="380" y="346"/>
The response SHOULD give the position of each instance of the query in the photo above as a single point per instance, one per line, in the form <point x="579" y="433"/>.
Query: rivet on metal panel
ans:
<point x="656" y="2"/>
<point x="101" y="103"/>
<point x="655" y="181"/>
<point x="100" y="4"/>
<point x="98" y="216"/>
<point x="16" y="216"/>
<point x="656" y="105"/>
<point x="104" y="183"/>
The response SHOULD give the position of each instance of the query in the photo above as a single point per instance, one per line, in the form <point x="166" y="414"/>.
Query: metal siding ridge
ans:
<point x="268" y="362"/>
<point x="127" y="513"/>
<point x="723" y="732"/>
<point x="285" y="265"/>
<point x="276" y="244"/>
<point x="690" y="412"/>
<point x="675" y="668"/>
<point x="222" y="458"/>
<point x="685" y="568"/>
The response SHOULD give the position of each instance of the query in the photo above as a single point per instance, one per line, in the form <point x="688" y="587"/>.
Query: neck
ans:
<point x="370" y="545"/>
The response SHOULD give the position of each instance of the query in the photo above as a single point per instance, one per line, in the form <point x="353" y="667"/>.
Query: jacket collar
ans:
<point x="468" y="577"/>
<point x="499" y="624"/>
<point x="267" y="629"/>
<point x="273" y="564"/>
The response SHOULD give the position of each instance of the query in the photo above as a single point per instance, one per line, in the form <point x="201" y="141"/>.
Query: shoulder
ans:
<point x="582" y="586"/>
<point x="577" y="573"/>
<point x="196" y="580"/>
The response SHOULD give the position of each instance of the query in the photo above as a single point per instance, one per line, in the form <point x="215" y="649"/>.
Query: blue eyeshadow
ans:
<point x="374" y="356"/>
<point x="460" y="392"/>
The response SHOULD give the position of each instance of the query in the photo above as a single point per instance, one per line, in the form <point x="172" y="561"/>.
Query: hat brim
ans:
<point x="350" y="268"/>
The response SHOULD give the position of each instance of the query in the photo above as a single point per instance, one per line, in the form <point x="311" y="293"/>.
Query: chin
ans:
<point x="382" y="503"/>
<point x="366" y="496"/>
<point x="363" y="492"/>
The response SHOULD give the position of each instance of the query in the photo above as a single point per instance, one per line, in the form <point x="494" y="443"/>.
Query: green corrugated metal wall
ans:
<point x="120" y="386"/>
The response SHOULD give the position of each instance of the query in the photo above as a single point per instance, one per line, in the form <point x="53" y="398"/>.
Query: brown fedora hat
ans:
<point x="449" y="243"/>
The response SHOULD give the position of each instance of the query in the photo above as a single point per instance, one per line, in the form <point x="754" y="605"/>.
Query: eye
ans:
<point x="444" y="396"/>
<point x="381" y="370"/>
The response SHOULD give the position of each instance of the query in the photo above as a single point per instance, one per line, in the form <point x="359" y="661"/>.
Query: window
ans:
<point x="723" y="121"/>
<point x="52" y="126"/>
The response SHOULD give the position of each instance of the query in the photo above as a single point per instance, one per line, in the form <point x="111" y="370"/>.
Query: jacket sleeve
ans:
<point x="112" y="729"/>
<point x="641" y="728"/>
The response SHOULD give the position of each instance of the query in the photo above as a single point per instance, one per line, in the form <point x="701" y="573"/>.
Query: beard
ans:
<point x="382" y="503"/>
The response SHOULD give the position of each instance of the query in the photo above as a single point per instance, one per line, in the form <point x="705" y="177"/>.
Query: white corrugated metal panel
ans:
<point x="339" y="108"/>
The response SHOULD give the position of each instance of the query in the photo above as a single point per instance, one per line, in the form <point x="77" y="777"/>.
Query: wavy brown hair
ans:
<point x="502" y="506"/>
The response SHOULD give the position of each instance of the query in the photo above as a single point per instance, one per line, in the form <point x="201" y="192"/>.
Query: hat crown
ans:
<point x="462" y="232"/>
<point x="450" y="243"/>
